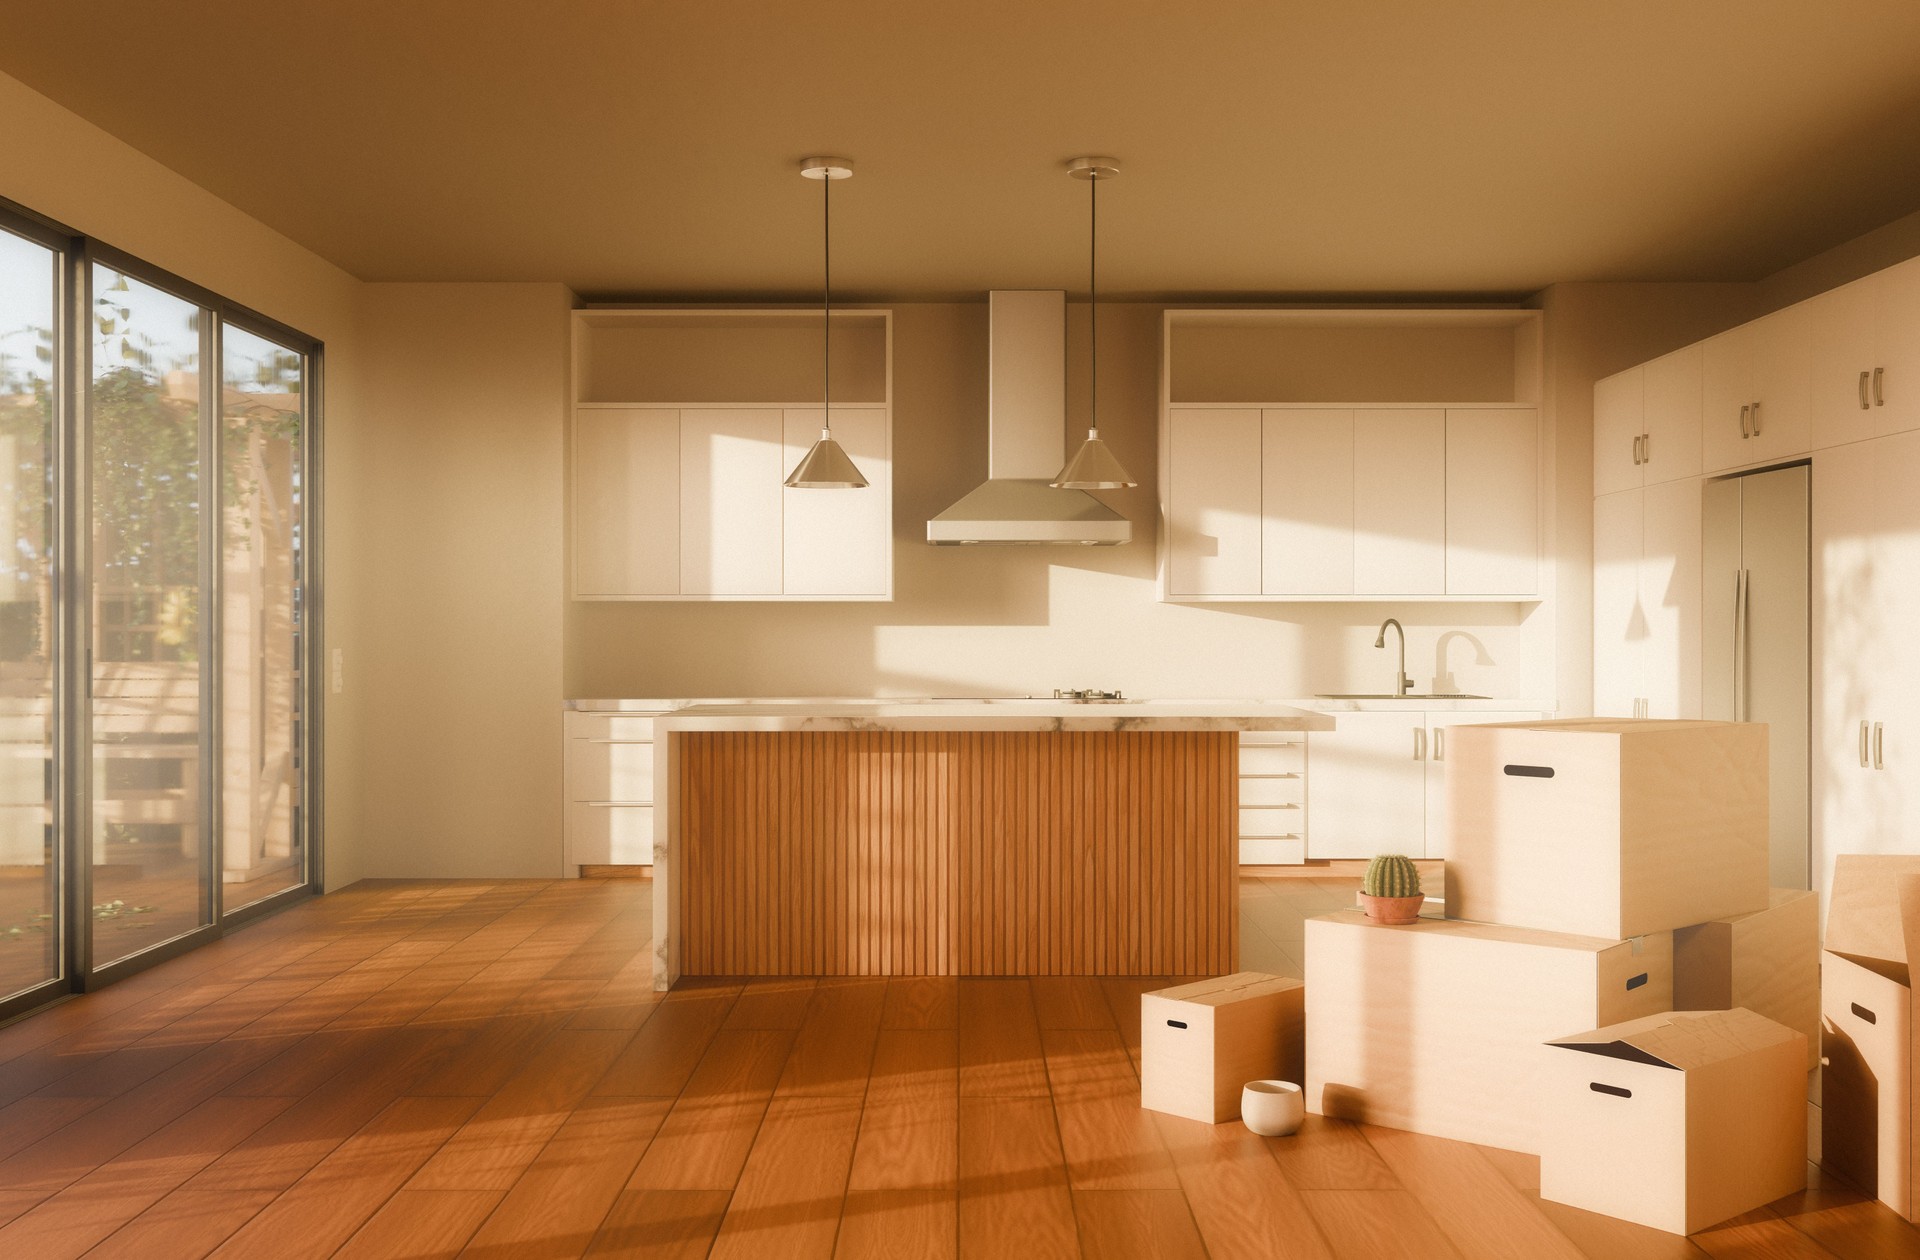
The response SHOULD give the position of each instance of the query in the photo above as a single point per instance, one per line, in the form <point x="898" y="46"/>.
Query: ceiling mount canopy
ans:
<point x="826" y="465"/>
<point x="1094" y="466"/>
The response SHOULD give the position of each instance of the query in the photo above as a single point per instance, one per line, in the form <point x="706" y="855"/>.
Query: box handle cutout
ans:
<point x="1615" y="1090"/>
<point x="1530" y="772"/>
<point x="1864" y="1013"/>
<point x="1176" y="1023"/>
<point x="1634" y="982"/>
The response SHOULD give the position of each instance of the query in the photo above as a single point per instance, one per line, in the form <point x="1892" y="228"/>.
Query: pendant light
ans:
<point x="1093" y="466"/>
<point x="826" y="466"/>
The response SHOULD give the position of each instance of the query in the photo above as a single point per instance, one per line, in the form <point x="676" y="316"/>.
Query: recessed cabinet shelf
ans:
<point x="686" y="425"/>
<point x="1277" y="486"/>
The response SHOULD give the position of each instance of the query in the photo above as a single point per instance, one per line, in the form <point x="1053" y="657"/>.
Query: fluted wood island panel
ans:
<point x="887" y="852"/>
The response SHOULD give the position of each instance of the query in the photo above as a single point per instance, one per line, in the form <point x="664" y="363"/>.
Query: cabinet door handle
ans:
<point x="1879" y="747"/>
<point x="1879" y="395"/>
<point x="1865" y="761"/>
<point x="1756" y="419"/>
<point x="1646" y="448"/>
<point x="1439" y="743"/>
<point x="1746" y="430"/>
<point x="1636" y="450"/>
<point x="1864" y="404"/>
<point x="1419" y="743"/>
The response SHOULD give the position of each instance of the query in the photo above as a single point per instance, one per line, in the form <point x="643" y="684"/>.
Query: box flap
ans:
<point x="1686" y="1040"/>
<point x="1219" y="990"/>
<point x="1865" y="911"/>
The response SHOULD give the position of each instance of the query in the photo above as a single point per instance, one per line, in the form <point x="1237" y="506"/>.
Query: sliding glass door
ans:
<point x="32" y="949"/>
<point x="157" y="706"/>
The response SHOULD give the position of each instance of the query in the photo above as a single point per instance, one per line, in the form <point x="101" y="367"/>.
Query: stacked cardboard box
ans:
<point x="1601" y="873"/>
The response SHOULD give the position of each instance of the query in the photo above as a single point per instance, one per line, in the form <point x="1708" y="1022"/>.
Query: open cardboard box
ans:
<point x="1867" y="1027"/>
<point x="1678" y="1121"/>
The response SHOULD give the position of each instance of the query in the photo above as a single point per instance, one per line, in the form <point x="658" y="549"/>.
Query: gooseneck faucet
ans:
<point x="1401" y="683"/>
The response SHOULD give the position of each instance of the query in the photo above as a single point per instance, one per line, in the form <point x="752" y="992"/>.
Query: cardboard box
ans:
<point x="1440" y="1026"/>
<point x="1200" y="1043"/>
<point x="1767" y="961"/>
<point x="1678" y="1121"/>
<point x="1612" y="829"/>
<point x="1866" y="1016"/>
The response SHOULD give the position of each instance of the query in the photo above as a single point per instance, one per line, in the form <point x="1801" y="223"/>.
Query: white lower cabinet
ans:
<point x="1378" y="782"/>
<point x="1273" y="798"/>
<point x="609" y="789"/>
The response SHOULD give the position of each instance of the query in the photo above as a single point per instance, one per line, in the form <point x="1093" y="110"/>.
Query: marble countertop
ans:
<point x="997" y="715"/>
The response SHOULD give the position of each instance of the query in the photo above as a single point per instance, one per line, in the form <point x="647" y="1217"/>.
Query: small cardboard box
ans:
<point x="1866" y="1016"/>
<point x="1612" y="829"/>
<point x="1201" y="1043"/>
<point x="1678" y="1121"/>
<point x="1440" y="1026"/>
<point x="1767" y="961"/>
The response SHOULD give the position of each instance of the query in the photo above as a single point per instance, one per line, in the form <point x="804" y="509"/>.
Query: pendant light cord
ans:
<point x="826" y="305"/>
<point x="1093" y="305"/>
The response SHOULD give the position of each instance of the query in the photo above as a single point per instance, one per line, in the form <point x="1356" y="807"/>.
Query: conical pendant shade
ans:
<point x="1093" y="467"/>
<point x="826" y="467"/>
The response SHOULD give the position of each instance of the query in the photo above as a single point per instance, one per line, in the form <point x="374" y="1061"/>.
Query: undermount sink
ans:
<point x="1388" y="695"/>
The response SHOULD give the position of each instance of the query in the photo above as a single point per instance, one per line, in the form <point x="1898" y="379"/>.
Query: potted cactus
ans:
<point x="1391" y="891"/>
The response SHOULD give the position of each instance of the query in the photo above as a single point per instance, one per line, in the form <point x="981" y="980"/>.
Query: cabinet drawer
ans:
<point x="1271" y="758"/>
<point x="1280" y="793"/>
<point x="1276" y="822"/>
<point x="609" y="772"/>
<point x="609" y="835"/>
<point x="1272" y="851"/>
<point x="627" y="727"/>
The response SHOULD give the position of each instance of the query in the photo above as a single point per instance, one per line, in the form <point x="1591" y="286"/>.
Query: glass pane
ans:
<point x="262" y="846"/>
<point x="30" y="950"/>
<point x="149" y="861"/>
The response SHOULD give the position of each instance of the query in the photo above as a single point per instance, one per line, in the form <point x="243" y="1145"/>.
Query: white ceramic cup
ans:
<point x="1273" y="1108"/>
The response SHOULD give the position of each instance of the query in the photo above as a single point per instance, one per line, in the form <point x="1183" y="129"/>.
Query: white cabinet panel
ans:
<point x="1214" y="506"/>
<point x="609" y="772"/>
<point x="1307" y="502"/>
<point x="626" y="501"/>
<point x="839" y="542"/>
<point x="1619" y="403"/>
<point x="1399" y="502"/>
<point x="1271" y="758"/>
<point x="1781" y="388"/>
<point x="1726" y="399"/>
<point x="1840" y="335"/>
<point x="1896" y="387"/>
<point x="731" y="467"/>
<point x="609" y="835"/>
<point x="1619" y="622"/>
<point x="1366" y="786"/>
<point x="1669" y="600"/>
<point x="1492" y="518"/>
<point x="1670" y="445"/>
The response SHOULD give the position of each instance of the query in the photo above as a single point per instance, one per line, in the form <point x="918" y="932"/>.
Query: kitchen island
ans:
<point x="964" y="837"/>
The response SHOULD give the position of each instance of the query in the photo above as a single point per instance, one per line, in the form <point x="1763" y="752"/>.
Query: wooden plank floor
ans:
<point x="415" y="1069"/>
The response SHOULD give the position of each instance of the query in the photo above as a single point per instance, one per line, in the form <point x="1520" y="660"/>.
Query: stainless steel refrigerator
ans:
<point x="1754" y="662"/>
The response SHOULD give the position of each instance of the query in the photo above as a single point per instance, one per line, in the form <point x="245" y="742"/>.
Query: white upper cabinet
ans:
<point x="837" y="542"/>
<point x="1214" y="501"/>
<point x="1307" y="501"/>
<point x="1756" y="392"/>
<point x="1619" y="425"/>
<point x="1399" y="502"/>
<point x="1646" y="601"/>
<point x="1865" y="348"/>
<point x="731" y="465"/>
<point x="1670" y="433"/>
<point x="1492" y="515"/>
<point x="626" y="501"/>
<point x="1619" y="620"/>
<point x="685" y="427"/>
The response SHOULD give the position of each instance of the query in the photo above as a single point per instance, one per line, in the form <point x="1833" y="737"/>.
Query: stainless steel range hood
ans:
<point x="1027" y="415"/>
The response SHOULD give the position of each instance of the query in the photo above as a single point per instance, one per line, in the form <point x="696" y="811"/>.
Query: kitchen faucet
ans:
<point x="1401" y="683"/>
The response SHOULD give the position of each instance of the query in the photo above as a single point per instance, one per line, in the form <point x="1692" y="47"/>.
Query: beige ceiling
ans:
<point x="645" y="147"/>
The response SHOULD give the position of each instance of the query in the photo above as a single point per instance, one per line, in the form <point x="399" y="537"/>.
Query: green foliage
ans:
<point x="1392" y="875"/>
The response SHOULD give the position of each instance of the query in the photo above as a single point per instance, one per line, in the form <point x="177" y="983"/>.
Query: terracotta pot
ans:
<point x="1392" y="910"/>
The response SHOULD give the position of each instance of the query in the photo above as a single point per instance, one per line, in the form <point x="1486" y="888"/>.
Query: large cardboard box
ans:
<point x="1201" y="1043"/>
<point x="1767" y="961"/>
<point x="1866" y="1016"/>
<point x="1606" y="828"/>
<point x="1678" y="1121"/>
<point x="1440" y="1027"/>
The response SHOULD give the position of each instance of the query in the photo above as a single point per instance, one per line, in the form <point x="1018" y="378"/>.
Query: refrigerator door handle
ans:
<point x="1740" y="586"/>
